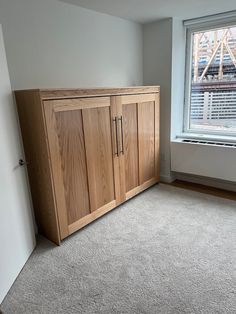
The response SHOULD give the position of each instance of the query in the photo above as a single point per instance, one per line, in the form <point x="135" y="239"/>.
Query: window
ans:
<point x="211" y="80"/>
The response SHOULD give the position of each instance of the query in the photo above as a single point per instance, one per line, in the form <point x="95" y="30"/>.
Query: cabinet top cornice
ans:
<point x="60" y="93"/>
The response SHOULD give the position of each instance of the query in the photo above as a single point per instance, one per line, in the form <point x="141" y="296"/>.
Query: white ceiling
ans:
<point x="144" y="11"/>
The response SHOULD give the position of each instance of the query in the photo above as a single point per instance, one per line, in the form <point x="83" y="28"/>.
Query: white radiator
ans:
<point x="204" y="158"/>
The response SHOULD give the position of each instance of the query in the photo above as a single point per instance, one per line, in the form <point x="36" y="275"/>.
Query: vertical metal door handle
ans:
<point x="122" y="135"/>
<point x="116" y="136"/>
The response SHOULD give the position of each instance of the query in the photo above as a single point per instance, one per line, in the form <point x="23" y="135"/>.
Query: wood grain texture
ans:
<point x="119" y="195"/>
<point x="90" y="92"/>
<point x="91" y="217"/>
<point x="141" y="188"/>
<point x="130" y="118"/>
<point x="131" y="99"/>
<point x="79" y="103"/>
<point x="119" y="113"/>
<point x="139" y="166"/>
<point x="73" y="161"/>
<point x="146" y="134"/>
<point x="98" y="144"/>
<point x="39" y="170"/>
<point x="56" y="168"/>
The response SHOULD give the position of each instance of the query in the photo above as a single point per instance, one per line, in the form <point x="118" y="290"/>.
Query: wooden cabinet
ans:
<point x="88" y="151"/>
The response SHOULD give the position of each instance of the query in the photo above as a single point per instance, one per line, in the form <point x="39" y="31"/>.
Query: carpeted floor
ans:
<point x="167" y="251"/>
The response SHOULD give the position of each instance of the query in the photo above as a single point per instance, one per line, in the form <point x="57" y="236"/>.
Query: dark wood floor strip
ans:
<point x="205" y="189"/>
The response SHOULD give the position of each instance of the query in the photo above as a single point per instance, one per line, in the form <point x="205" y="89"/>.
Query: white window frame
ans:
<point x="192" y="26"/>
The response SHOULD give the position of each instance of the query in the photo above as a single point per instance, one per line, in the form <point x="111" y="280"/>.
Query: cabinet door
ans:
<point x="138" y="142"/>
<point x="80" y="134"/>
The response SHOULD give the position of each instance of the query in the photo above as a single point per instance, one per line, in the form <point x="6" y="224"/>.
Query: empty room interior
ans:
<point x="118" y="147"/>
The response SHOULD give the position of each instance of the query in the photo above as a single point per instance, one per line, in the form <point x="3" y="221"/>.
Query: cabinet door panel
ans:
<point x="97" y="132"/>
<point x="82" y="160"/>
<point x="73" y="163"/>
<point x="130" y="130"/>
<point x="146" y="130"/>
<point x="139" y="165"/>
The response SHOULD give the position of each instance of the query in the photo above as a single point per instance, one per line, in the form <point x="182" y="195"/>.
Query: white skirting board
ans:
<point x="167" y="178"/>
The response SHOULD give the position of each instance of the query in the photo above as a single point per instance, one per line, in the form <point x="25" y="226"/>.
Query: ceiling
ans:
<point x="144" y="11"/>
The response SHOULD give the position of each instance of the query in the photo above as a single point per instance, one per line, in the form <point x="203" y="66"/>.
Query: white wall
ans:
<point x="53" y="44"/>
<point x="157" y="68"/>
<point x="17" y="238"/>
<point x="164" y="64"/>
<point x="177" y="77"/>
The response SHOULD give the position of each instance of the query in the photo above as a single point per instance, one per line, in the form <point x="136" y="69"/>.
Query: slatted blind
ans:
<point x="215" y="105"/>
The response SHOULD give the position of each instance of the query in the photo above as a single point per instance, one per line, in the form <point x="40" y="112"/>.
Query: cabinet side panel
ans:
<point x="39" y="172"/>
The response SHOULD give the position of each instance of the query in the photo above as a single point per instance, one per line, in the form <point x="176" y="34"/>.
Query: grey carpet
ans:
<point x="166" y="251"/>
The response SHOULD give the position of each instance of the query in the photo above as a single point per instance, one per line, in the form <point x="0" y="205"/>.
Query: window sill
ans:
<point x="207" y="137"/>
